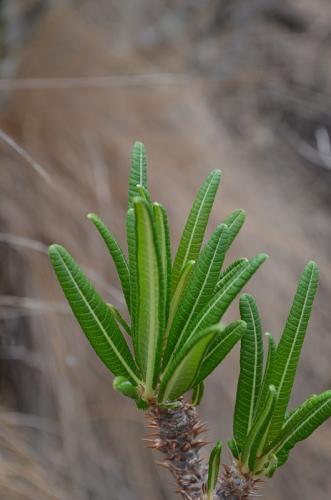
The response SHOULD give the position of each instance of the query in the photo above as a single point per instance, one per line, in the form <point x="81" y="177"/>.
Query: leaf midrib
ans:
<point x="141" y="177"/>
<point x="153" y="330"/>
<point x="251" y="408"/>
<point x="195" y="224"/>
<point x="280" y="386"/>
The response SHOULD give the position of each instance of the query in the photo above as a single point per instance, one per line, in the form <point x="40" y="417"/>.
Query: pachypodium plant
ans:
<point x="175" y="339"/>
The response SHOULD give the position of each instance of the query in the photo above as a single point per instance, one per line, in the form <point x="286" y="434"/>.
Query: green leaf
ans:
<point x="199" y="291"/>
<point x="119" y="318"/>
<point x="300" y="425"/>
<point x="197" y="394"/>
<point x="213" y="469"/>
<point x="219" y="303"/>
<point x="150" y="291"/>
<point x="251" y="366"/>
<point x="131" y="239"/>
<point x="177" y="297"/>
<point x="125" y="387"/>
<point x="180" y="374"/>
<point x="93" y="315"/>
<point x="138" y="172"/>
<point x="257" y="433"/>
<point x="163" y="239"/>
<point x="116" y="253"/>
<point x="193" y="234"/>
<point x="220" y="347"/>
<point x="230" y="272"/>
<point x="234" y="223"/>
<point x="267" y="373"/>
<point x="290" y="345"/>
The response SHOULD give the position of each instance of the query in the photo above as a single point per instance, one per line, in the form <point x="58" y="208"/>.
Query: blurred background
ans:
<point x="233" y="84"/>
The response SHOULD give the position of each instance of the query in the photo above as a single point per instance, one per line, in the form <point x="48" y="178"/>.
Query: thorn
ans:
<point x="173" y="445"/>
<point x="199" y="444"/>
<point x="162" y="464"/>
<point x="151" y="447"/>
<point x="198" y="428"/>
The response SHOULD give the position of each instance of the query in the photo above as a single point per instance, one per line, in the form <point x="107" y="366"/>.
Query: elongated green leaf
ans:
<point x="178" y="295"/>
<point x="193" y="234"/>
<point x="219" y="303"/>
<point x="257" y="432"/>
<point x="120" y="320"/>
<point x="150" y="291"/>
<point x="235" y="222"/>
<point x="163" y="238"/>
<point x="251" y="366"/>
<point x="290" y="345"/>
<point x="181" y="372"/>
<point x="131" y="239"/>
<point x="200" y="289"/>
<point x="93" y="315"/>
<point x="267" y="373"/>
<point x="138" y="172"/>
<point x="116" y="253"/>
<point x="220" y="347"/>
<point x="303" y="421"/>
<point x="213" y="469"/>
<point x="229" y="272"/>
<point x="197" y="394"/>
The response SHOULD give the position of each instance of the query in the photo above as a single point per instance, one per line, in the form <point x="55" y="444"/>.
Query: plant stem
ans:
<point x="235" y="485"/>
<point x="175" y="434"/>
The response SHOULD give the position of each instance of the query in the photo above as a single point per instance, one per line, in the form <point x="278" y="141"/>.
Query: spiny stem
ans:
<point x="174" y="431"/>
<point x="235" y="485"/>
<point x="176" y="435"/>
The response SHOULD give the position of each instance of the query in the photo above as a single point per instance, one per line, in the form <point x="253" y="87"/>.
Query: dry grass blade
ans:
<point x="25" y="155"/>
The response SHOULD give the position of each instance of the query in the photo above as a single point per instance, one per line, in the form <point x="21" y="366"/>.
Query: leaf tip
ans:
<point x="246" y="296"/>
<point x="216" y="173"/>
<point x="240" y="211"/>
<point x="54" y="249"/>
<point x="138" y="144"/>
<point x="312" y="266"/>
<point x="92" y="216"/>
<point x="218" y="446"/>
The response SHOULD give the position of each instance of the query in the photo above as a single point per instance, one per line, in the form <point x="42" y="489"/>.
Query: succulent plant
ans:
<point x="175" y="339"/>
